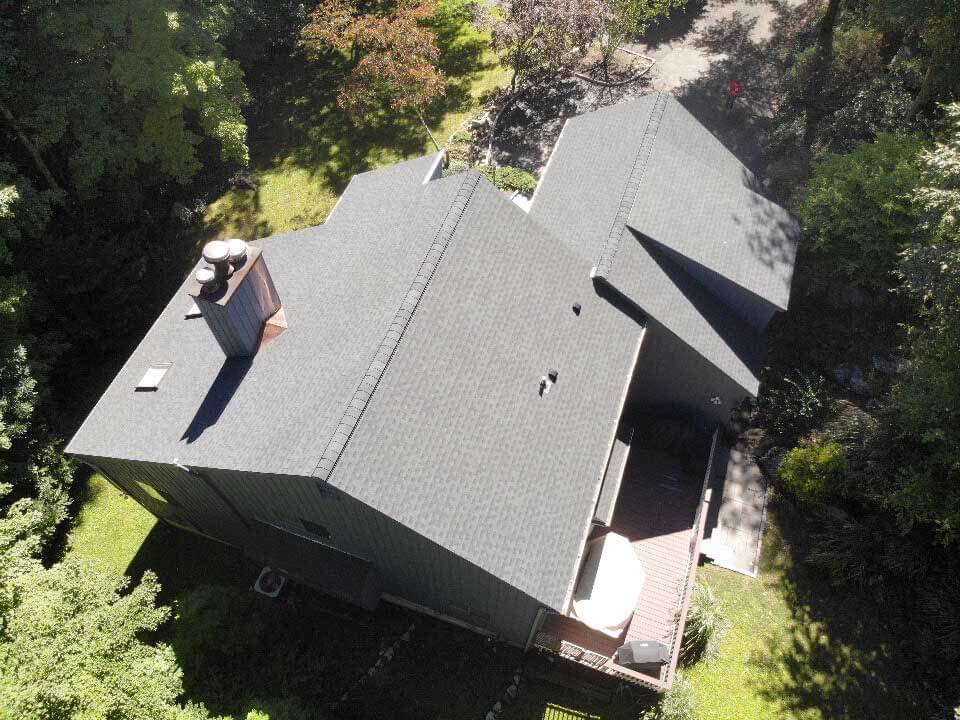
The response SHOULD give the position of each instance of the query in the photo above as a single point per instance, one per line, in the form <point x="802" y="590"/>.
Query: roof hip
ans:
<point x="388" y="346"/>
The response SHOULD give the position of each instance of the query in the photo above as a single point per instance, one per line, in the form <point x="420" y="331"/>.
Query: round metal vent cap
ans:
<point x="237" y="250"/>
<point x="216" y="251"/>
<point x="205" y="276"/>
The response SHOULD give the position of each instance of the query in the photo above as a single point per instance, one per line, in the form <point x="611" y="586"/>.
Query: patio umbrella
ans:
<point x="609" y="585"/>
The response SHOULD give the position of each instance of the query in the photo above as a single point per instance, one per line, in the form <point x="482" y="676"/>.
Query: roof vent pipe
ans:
<point x="237" y="250"/>
<point x="217" y="253"/>
<point x="209" y="282"/>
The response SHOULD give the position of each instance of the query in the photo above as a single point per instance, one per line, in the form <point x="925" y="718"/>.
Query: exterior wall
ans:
<point x="227" y="504"/>
<point x="673" y="380"/>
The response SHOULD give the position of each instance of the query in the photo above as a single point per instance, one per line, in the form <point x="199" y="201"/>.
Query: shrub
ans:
<point x="461" y="137"/>
<point x="706" y="625"/>
<point x="510" y="178"/>
<point x="792" y="405"/>
<point x="811" y="471"/>
<point x="678" y="703"/>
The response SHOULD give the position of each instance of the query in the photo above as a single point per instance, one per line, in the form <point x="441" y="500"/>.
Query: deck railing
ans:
<point x="588" y="658"/>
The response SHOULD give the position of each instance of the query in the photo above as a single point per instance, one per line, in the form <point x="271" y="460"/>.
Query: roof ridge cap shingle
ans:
<point x="401" y="319"/>
<point x="630" y="191"/>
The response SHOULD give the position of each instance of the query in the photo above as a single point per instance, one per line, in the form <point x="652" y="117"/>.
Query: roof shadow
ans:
<point x="218" y="397"/>
<point x="619" y="300"/>
<point x="743" y="340"/>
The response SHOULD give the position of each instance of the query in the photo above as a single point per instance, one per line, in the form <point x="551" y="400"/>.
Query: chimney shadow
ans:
<point x="218" y="396"/>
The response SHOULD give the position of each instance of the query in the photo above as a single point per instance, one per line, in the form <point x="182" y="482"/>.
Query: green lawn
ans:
<point x="110" y="527"/>
<point x="798" y="649"/>
<point x="304" y="149"/>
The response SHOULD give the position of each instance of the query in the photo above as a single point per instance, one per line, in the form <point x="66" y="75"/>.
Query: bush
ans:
<point x="812" y="471"/>
<point x="706" y="625"/>
<point x="790" y="406"/>
<point x="510" y="178"/>
<point x="678" y="703"/>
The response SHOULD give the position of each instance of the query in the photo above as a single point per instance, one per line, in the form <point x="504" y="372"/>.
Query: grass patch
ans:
<point x="111" y="526"/>
<point x="304" y="148"/>
<point x="797" y="648"/>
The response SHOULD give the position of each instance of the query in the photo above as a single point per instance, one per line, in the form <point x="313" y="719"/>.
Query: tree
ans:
<point x="72" y="637"/>
<point x="73" y="647"/>
<point x="626" y="19"/>
<point x="398" y="55"/>
<point x="937" y="25"/>
<point x="857" y="213"/>
<point x="819" y="74"/>
<point x="927" y="490"/>
<point x="108" y="88"/>
<point x="537" y="39"/>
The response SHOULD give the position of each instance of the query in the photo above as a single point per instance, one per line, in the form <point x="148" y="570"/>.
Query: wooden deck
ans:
<point x="656" y="511"/>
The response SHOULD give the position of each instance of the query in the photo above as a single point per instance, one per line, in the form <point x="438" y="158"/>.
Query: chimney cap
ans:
<point x="237" y="250"/>
<point x="207" y="279"/>
<point x="216" y="251"/>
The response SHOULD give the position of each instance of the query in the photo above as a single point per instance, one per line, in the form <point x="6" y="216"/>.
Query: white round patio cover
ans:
<point x="609" y="585"/>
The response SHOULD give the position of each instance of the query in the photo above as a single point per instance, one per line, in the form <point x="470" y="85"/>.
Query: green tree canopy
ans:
<point x="858" y="214"/>
<point x="928" y="488"/>
<point x="104" y="89"/>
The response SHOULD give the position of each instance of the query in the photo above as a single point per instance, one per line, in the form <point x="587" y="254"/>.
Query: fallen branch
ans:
<point x="619" y="83"/>
<point x="31" y="149"/>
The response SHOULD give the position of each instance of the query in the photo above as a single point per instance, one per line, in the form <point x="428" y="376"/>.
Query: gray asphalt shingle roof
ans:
<point x="340" y="286"/>
<point x="422" y="317"/>
<point x="626" y="179"/>
<point x="421" y="320"/>
<point x="457" y="442"/>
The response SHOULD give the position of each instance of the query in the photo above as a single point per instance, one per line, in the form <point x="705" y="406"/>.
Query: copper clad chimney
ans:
<point x="235" y="294"/>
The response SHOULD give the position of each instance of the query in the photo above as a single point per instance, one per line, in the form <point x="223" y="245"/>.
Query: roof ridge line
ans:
<point x="608" y="252"/>
<point x="401" y="319"/>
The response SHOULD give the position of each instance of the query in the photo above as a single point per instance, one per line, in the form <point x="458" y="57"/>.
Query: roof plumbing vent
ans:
<point x="235" y="295"/>
<point x="548" y="381"/>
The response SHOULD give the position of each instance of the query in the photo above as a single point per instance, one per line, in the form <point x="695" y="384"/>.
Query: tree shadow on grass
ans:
<point x="236" y="214"/>
<point x="184" y="560"/>
<point x="840" y="659"/>
<point x="297" y="120"/>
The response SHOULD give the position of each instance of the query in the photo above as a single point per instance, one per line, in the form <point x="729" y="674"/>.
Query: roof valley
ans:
<point x="388" y="346"/>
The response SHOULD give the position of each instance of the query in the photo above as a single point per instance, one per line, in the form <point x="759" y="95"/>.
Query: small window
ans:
<point x="314" y="529"/>
<point x="152" y="377"/>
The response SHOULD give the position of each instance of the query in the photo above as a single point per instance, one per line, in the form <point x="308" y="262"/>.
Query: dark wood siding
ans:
<point x="674" y="380"/>
<point x="225" y="504"/>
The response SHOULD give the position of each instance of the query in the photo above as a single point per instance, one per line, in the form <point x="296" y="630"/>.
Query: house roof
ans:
<point x="422" y="318"/>
<point x="638" y="185"/>
<point x="340" y="286"/>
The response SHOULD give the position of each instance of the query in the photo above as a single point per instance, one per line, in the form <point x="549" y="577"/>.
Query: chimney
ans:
<point x="235" y="294"/>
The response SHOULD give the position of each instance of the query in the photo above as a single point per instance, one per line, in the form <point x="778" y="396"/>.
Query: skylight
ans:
<point x="152" y="377"/>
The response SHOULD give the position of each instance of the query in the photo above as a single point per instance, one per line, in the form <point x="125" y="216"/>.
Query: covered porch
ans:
<point x="661" y="508"/>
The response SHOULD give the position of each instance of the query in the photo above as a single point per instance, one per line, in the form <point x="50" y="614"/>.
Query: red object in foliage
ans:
<point x="734" y="89"/>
